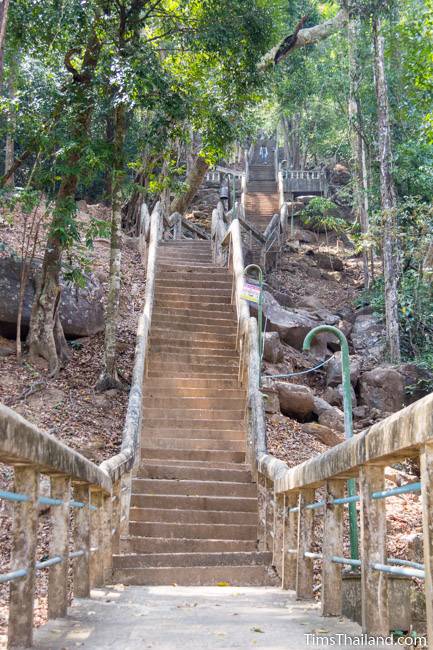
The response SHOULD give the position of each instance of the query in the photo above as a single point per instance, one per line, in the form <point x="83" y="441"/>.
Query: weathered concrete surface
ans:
<point x="169" y="618"/>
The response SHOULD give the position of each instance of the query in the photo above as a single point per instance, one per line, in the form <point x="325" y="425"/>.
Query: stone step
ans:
<point x="196" y="531"/>
<point x="193" y="516"/>
<point x="164" y="265"/>
<point x="190" y="559"/>
<point x="200" y="313"/>
<point x="183" y="322"/>
<point x="200" y="463"/>
<point x="186" y="487"/>
<point x="171" y="402"/>
<point x="170" y="502"/>
<point x="195" y="372"/>
<point x="189" y="383"/>
<point x="170" y="545"/>
<point x="194" y="292"/>
<point x="158" y="336"/>
<point x="196" y="434"/>
<point x="210" y="455"/>
<point x="194" y="443"/>
<point x="179" y="302"/>
<point x="189" y="415"/>
<point x="169" y="390"/>
<point x="233" y="575"/>
<point x="189" y="424"/>
<point x="195" y="283"/>
<point x="221" y="358"/>
<point x="164" y="471"/>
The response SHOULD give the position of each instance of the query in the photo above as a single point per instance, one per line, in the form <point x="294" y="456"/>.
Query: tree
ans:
<point x="388" y="197"/>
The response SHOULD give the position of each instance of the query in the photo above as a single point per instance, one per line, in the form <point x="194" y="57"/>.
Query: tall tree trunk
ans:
<point x="46" y="338"/>
<point x="357" y="144"/>
<point x="286" y="132"/>
<point x="4" y="10"/>
<point x="193" y="181"/>
<point x="388" y="197"/>
<point x="11" y="126"/>
<point x="109" y="378"/>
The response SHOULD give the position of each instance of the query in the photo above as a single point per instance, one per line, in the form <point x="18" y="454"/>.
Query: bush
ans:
<point x="320" y="214"/>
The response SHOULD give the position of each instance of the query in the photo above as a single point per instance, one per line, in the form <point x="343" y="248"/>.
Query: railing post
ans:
<point x="59" y="545"/>
<point x="270" y="507"/>
<point x="115" y="517"/>
<point x="96" y="540"/>
<point x="304" y="568"/>
<point x="82" y="542"/>
<point x="427" y="524"/>
<point x="375" y="620"/>
<point x="262" y="505"/>
<point x="279" y="518"/>
<point x="290" y="541"/>
<point x="107" y="537"/>
<point x="332" y="545"/>
<point x="24" y="539"/>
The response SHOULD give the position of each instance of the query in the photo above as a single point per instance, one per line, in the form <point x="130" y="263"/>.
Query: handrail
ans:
<point x="123" y="462"/>
<point x="22" y="442"/>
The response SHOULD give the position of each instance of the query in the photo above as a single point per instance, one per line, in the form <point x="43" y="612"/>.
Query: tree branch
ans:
<point x="303" y="37"/>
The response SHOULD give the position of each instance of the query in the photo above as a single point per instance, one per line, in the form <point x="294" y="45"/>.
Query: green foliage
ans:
<point x="321" y="214"/>
<point x="415" y="315"/>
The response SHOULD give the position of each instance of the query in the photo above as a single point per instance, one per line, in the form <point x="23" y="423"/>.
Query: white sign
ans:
<point x="251" y="292"/>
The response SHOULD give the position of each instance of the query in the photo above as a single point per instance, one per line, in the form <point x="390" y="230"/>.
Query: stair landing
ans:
<point x="169" y="618"/>
<point x="193" y="515"/>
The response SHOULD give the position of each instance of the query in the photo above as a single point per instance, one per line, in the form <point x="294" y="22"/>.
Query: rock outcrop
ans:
<point x="81" y="310"/>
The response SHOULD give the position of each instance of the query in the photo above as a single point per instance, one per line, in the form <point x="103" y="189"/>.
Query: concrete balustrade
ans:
<point x="98" y="496"/>
<point x="286" y="496"/>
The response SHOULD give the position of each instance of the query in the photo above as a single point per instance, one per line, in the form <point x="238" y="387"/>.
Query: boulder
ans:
<point x="327" y="261"/>
<point x="329" y="416"/>
<point x="368" y="337"/>
<point x="283" y="298"/>
<point x="334" y="375"/>
<point x="305" y="236"/>
<point x="418" y="381"/>
<point x="81" y="310"/>
<point x="295" y="400"/>
<point x="292" y="325"/>
<point x="272" y="349"/>
<point x="334" y="395"/>
<point x="332" y="418"/>
<point x="344" y="326"/>
<point x="271" y="400"/>
<point x="382" y="388"/>
<point x="324" y="434"/>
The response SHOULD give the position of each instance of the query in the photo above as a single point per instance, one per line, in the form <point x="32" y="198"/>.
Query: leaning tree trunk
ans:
<point x="109" y="378"/>
<point x="357" y="144"/>
<point x="193" y="181"/>
<point x="388" y="198"/>
<point x="11" y="126"/>
<point x="46" y="338"/>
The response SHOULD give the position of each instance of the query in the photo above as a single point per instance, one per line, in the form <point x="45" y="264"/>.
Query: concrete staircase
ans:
<point x="261" y="200"/>
<point x="193" y="516"/>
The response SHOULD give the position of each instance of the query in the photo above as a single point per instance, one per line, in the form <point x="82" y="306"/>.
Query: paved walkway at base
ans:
<point x="191" y="618"/>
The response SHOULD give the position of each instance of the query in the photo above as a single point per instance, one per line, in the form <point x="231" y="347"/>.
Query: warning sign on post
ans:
<point x="251" y="292"/>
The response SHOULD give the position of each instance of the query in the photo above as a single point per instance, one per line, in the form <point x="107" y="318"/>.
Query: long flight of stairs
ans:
<point x="261" y="203"/>
<point x="193" y="516"/>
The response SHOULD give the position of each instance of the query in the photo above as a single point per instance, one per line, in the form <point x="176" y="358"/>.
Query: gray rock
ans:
<point x="329" y="416"/>
<point x="418" y="381"/>
<point x="295" y="400"/>
<point x="327" y="261"/>
<point x="292" y="325"/>
<point x="324" y="434"/>
<point x="382" y="388"/>
<point x="334" y="395"/>
<point x="334" y="375"/>
<point x="271" y="400"/>
<point x="368" y="337"/>
<point x="272" y="351"/>
<point x="304" y="236"/>
<point x="81" y="310"/>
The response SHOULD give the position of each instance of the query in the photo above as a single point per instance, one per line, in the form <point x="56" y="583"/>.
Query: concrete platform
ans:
<point x="174" y="618"/>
